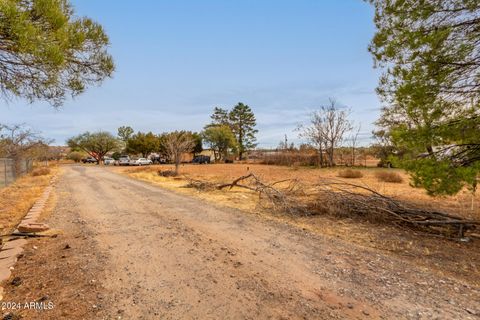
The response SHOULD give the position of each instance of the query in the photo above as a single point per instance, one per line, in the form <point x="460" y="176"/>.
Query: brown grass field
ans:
<point x="17" y="198"/>
<point x="445" y="256"/>
<point x="462" y="204"/>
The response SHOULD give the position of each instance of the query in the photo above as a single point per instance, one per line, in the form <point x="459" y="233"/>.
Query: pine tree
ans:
<point x="242" y="122"/>
<point x="431" y="88"/>
<point x="48" y="53"/>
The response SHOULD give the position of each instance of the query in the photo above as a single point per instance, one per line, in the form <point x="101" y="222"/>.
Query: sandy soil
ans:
<point x="136" y="251"/>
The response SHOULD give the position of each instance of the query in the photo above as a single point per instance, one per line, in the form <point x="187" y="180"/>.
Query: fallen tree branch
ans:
<point x="337" y="197"/>
<point x="355" y="199"/>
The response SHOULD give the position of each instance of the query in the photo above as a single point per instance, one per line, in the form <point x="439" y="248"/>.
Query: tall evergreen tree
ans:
<point x="219" y="117"/>
<point x="242" y="122"/>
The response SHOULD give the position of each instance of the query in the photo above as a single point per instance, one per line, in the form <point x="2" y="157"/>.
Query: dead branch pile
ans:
<point x="271" y="195"/>
<point x="340" y="198"/>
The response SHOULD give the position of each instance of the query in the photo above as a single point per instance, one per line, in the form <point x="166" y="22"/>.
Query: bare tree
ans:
<point x="336" y="125"/>
<point x="176" y="144"/>
<point x="353" y="142"/>
<point x="19" y="142"/>
<point x="314" y="133"/>
<point x="326" y="130"/>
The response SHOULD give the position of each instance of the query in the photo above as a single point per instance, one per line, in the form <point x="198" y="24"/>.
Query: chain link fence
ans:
<point x="11" y="170"/>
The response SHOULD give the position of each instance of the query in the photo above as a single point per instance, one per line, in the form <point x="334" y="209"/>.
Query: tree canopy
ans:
<point x="429" y="51"/>
<point x="144" y="143"/>
<point x="96" y="144"/>
<point x="220" y="139"/>
<point x="124" y="133"/>
<point x="241" y="121"/>
<point x="48" y="53"/>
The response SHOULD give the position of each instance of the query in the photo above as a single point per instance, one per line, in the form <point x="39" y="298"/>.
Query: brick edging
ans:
<point x="11" y="249"/>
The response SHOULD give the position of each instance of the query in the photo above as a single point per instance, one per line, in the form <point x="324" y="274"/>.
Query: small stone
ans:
<point x="67" y="246"/>
<point x="16" y="281"/>
<point x="350" y="305"/>
<point x="365" y="312"/>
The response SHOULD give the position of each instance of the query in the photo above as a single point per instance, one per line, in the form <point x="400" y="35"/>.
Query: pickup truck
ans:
<point x="89" y="160"/>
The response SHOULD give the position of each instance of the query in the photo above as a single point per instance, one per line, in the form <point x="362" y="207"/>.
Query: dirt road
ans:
<point x="159" y="255"/>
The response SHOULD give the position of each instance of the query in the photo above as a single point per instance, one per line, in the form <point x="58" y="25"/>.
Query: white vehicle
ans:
<point x="108" y="161"/>
<point x="140" y="162"/>
<point x="123" y="161"/>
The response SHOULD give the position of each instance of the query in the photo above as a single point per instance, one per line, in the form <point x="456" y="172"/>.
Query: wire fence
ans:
<point x="10" y="170"/>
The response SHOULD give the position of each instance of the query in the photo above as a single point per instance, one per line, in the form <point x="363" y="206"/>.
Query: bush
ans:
<point x="75" y="156"/>
<point x="389" y="176"/>
<point x="350" y="174"/>
<point x="43" y="171"/>
<point x="166" y="173"/>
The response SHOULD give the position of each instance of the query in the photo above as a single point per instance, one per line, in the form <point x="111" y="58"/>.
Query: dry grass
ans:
<point x="42" y="171"/>
<point x="19" y="197"/>
<point x="387" y="176"/>
<point x="462" y="204"/>
<point x="350" y="174"/>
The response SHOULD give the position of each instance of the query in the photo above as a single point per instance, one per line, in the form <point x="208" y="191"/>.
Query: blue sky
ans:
<point x="178" y="59"/>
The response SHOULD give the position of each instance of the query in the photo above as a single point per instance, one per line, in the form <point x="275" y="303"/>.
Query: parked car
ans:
<point x="158" y="160"/>
<point x="123" y="161"/>
<point x="201" y="159"/>
<point x="108" y="161"/>
<point x="89" y="160"/>
<point x="140" y="162"/>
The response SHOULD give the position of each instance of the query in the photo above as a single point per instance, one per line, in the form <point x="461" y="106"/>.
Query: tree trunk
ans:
<point x="353" y="156"/>
<point x="331" y="156"/>
<point x="177" y="164"/>
<point x="320" y="156"/>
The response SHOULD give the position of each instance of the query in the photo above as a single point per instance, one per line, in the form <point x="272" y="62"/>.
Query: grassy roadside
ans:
<point x="460" y="260"/>
<point x="17" y="198"/>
